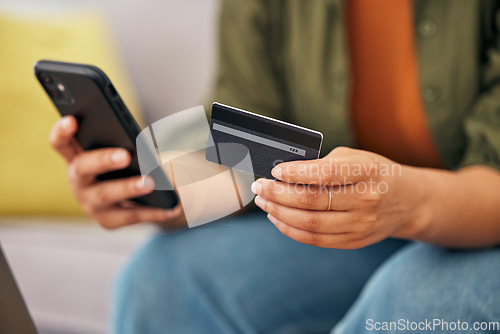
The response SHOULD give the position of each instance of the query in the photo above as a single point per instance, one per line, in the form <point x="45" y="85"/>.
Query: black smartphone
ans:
<point x="86" y="92"/>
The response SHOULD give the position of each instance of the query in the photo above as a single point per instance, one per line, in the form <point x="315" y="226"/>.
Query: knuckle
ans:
<point x="310" y="222"/>
<point x="272" y="208"/>
<point x="308" y="198"/>
<point x="341" y="150"/>
<point x="153" y="216"/>
<point x="134" y="216"/>
<point x="310" y="239"/>
<point x="104" y="158"/>
<point x="130" y="188"/>
<point x="372" y="197"/>
<point x="271" y="188"/>
<point x="101" y="195"/>
<point x="280" y="188"/>
<point x="370" y="219"/>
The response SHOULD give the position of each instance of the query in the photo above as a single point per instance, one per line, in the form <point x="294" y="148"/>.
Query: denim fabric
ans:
<point x="422" y="283"/>
<point x="240" y="276"/>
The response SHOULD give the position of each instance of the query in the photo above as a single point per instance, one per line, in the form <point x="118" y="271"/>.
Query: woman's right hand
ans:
<point x="107" y="201"/>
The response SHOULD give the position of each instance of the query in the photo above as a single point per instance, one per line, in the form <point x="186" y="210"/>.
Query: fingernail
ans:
<point x="168" y="214"/>
<point x="119" y="156"/>
<point x="260" y="201"/>
<point x="277" y="172"/>
<point x="171" y="213"/>
<point x="147" y="183"/>
<point x="256" y="188"/>
<point x="65" y="123"/>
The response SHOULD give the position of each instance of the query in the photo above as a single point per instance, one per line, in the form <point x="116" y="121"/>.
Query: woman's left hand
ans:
<point x="348" y="199"/>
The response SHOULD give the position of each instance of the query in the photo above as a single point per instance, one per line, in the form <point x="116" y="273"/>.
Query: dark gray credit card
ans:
<point x="238" y="134"/>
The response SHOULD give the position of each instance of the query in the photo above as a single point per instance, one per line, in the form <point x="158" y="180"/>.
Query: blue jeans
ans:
<point x="243" y="276"/>
<point x="421" y="284"/>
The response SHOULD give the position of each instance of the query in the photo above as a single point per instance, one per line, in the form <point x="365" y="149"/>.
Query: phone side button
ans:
<point x="120" y="105"/>
<point x="128" y="118"/>
<point x="124" y="112"/>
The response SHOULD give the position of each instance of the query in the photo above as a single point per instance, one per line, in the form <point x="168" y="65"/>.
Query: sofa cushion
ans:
<point x="33" y="176"/>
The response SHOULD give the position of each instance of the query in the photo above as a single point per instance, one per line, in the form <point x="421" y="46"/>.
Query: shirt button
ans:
<point x="427" y="28"/>
<point x="431" y="94"/>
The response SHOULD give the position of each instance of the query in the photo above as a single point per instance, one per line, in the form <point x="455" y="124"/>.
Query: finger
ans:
<point x="175" y="223"/>
<point x="119" y="217"/>
<point x="312" y="221"/>
<point x="309" y="197"/>
<point x="339" y="241"/>
<point x="109" y="193"/>
<point x="87" y="165"/>
<point x="326" y="171"/>
<point x="62" y="138"/>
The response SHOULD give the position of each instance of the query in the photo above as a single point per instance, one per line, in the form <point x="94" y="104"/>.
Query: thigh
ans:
<point x="240" y="276"/>
<point x="421" y="283"/>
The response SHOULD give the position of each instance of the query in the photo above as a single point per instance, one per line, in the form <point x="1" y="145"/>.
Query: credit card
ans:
<point x="237" y="133"/>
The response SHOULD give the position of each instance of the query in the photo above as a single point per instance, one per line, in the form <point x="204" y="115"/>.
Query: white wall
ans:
<point x="168" y="45"/>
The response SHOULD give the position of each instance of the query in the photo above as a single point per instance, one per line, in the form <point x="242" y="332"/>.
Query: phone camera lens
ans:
<point x="55" y="94"/>
<point x="45" y="79"/>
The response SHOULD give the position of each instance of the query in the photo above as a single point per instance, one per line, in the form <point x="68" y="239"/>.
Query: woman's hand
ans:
<point x="107" y="201"/>
<point x="372" y="198"/>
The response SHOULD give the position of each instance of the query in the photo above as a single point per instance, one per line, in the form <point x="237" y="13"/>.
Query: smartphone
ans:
<point x="85" y="92"/>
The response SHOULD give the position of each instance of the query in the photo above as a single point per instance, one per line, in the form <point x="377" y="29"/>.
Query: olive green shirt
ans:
<point x="289" y="59"/>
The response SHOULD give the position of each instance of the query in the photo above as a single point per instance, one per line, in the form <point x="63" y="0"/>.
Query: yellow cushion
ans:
<point x="32" y="176"/>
